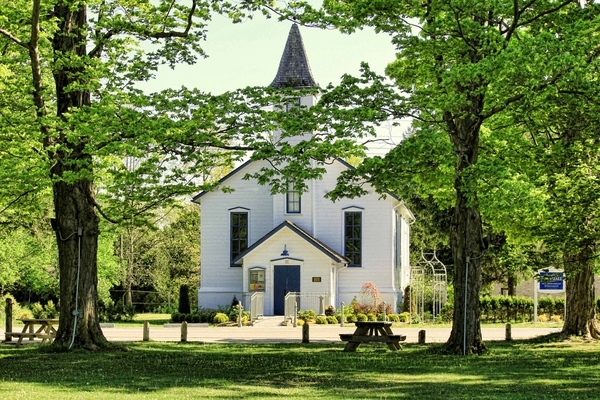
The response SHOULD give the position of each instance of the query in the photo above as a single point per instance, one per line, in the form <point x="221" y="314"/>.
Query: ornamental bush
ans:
<point x="332" y="320"/>
<point x="220" y="318"/>
<point x="393" y="318"/>
<point x="361" y="317"/>
<point x="404" y="317"/>
<point x="321" y="320"/>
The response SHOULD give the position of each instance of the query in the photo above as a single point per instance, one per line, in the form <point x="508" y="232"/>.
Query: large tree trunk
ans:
<point x="77" y="223"/>
<point x="466" y="241"/>
<point x="580" y="310"/>
<point x="77" y="235"/>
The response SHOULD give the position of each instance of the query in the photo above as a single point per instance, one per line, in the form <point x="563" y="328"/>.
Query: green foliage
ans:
<point x="371" y="317"/>
<point x="360" y="317"/>
<point x="331" y="319"/>
<point x="220" y="318"/>
<point x="307" y="315"/>
<point x="393" y="318"/>
<point x="321" y="320"/>
<point x="115" y="312"/>
<point x="404" y="316"/>
<point x="184" y="299"/>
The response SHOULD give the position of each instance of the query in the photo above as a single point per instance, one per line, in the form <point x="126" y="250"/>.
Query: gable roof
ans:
<point x="294" y="70"/>
<point x="335" y="256"/>
<point x="196" y="198"/>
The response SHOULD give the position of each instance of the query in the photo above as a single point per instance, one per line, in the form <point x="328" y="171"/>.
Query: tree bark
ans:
<point x="466" y="238"/>
<point x="77" y="223"/>
<point x="580" y="310"/>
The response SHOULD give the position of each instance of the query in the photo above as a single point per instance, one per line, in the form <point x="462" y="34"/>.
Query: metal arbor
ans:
<point x="428" y="279"/>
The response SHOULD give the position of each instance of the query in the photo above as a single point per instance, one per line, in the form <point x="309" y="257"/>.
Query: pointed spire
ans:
<point x="294" y="70"/>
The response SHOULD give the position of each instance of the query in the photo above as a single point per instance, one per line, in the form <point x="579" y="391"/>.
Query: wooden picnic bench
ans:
<point x="372" y="332"/>
<point x="46" y="330"/>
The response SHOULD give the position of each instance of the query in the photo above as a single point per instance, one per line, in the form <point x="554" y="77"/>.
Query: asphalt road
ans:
<point x="269" y="330"/>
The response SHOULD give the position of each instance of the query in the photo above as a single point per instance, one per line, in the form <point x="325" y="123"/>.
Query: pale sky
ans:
<point x="248" y="54"/>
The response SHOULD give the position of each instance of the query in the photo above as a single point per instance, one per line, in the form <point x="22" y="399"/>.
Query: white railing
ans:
<point x="306" y="301"/>
<point x="255" y="303"/>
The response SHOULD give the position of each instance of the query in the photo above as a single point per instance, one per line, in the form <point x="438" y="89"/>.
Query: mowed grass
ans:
<point x="514" y="370"/>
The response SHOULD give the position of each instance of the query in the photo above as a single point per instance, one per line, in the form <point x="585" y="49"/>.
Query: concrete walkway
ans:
<point x="270" y="330"/>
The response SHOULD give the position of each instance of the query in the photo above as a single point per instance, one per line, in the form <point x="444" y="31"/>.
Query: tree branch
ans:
<point x="13" y="38"/>
<point x="170" y="34"/>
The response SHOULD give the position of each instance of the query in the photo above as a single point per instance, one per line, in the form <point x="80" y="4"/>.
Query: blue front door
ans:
<point x="286" y="279"/>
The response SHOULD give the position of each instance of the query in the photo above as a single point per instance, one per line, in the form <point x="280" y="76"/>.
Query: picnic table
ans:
<point x="46" y="330"/>
<point x="372" y="332"/>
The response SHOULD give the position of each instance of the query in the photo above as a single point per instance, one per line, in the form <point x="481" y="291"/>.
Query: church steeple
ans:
<point x="294" y="70"/>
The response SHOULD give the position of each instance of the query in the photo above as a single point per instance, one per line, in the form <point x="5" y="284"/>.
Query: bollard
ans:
<point x="422" y="336"/>
<point x="240" y="314"/>
<point x="184" y="332"/>
<point x="384" y="317"/>
<point x="508" y="332"/>
<point x="305" y="338"/>
<point x="8" y="324"/>
<point x="343" y="319"/>
<point x="295" y="314"/>
<point x="146" y="332"/>
<point x="321" y="305"/>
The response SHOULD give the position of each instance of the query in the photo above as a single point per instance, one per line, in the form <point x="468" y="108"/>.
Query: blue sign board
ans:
<point x="554" y="281"/>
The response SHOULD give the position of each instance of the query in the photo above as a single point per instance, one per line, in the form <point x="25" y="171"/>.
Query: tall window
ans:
<point x="353" y="238"/>
<point x="239" y="233"/>
<point x="292" y="200"/>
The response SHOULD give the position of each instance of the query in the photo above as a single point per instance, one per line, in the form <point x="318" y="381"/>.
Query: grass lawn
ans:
<point x="513" y="370"/>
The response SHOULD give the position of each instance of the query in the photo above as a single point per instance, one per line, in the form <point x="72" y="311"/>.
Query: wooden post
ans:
<point x="422" y="335"/>
<point x="8" y="324"/>
<point x="343" y="321"/>
<point x="146" y="334"/>
<point x="508" y="332"/>
<point x="184" y="332"/>
<point x="31" y="331"/>
<point x="305" y="338"/>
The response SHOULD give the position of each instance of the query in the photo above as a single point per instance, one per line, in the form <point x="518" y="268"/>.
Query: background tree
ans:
<point x="456" y="63"/>
<point x="72" y="115"/>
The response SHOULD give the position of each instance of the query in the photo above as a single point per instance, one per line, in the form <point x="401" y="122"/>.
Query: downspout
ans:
<point x="337" y="280"/>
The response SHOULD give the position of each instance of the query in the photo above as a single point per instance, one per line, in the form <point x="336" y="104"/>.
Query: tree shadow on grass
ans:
<point x="516" y="370"/>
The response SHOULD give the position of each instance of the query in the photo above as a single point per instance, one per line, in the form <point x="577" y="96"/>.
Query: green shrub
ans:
<point x="184" y="299"/>
<point x="332" y="320"/>
<point x="38" y="311"/>
<point x="321" y="320"/>
<point x="361" y="317"/>
<point x="372" y="317"/>
<point x="300" y="322"/>
<point x="329" y="311"/>
<point x="220" y="318"/>
<point x="393" y="318"/>
<point x="177" y="317"/>
<point x="23" y="313"/>
<point x="542" y="318"/>
<point x="307" y="315"/>
<point x="404" y="317"/>
<point x="51" y="310"/>
<point x="351" y="318"/>
<point x="555" y="318"/>
<point x="427" y="316"/>
<point x="416" y="319"/>
<point x="207" y="314"/>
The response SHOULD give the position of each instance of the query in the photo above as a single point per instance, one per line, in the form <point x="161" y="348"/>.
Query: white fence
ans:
<point x="306" y="301"/>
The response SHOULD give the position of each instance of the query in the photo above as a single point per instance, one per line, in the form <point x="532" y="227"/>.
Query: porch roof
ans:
<point x="334" y="255"/>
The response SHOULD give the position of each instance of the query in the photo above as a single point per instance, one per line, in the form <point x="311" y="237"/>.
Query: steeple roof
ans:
<point x="294" y="70"/>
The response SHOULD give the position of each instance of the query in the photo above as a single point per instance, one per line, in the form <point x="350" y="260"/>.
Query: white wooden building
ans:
<point x="261" y="246"/>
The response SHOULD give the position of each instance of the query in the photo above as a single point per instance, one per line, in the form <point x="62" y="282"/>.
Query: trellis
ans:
<point x="429" y="273"/>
